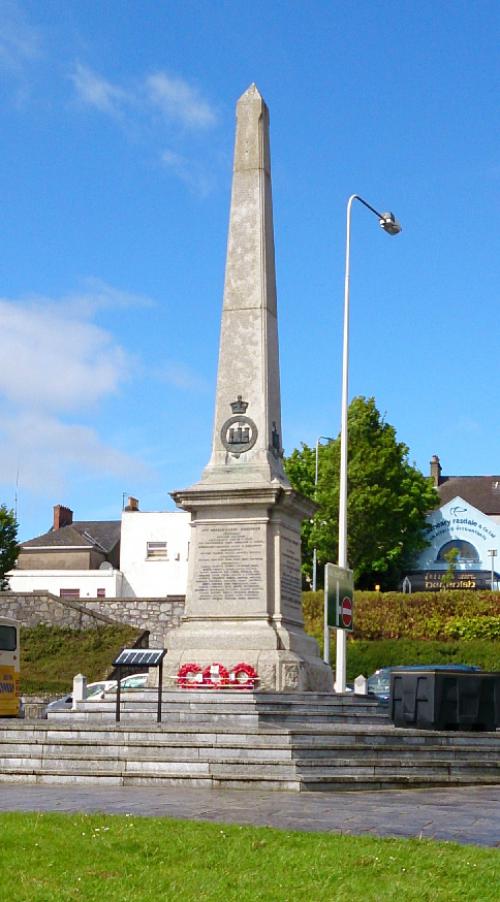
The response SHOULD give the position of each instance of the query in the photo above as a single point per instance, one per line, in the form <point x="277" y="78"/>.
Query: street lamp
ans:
<point x="324" y="438"/>
<point x="492" y="553"/>
<point x="389" y="224"/>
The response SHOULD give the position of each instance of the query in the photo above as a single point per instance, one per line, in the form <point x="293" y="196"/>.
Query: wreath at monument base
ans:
<point x="216" y="676"/>
<point x="190" y="676"/>
<point x="243" y="676"/>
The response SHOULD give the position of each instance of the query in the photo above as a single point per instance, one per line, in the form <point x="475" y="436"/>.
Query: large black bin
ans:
<point x="445" y="700"/>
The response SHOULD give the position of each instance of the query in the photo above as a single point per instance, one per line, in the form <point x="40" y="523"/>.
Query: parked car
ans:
<point x="94" y="691"/>
<point x="379" y="683"/>
<point x="97" y="691"/>
<point x="135" y="681"/>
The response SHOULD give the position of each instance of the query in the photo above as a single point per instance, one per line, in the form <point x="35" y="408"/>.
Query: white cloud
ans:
<point x="49" y="453"/>
<point x="178" y="100"/>
<point x="19" y="42"/>
<point x="149" y="107"/>
<point x="96" y="294"/>
<point x="172" y="96"/>
<point x="54" y="359"/>
<point x="181" y="376"/>
<point x="96" y="91"/>
<point x="188" y="171"/>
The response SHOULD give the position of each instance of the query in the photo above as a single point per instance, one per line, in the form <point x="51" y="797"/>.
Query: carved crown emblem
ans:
<point x="239" y="406"/>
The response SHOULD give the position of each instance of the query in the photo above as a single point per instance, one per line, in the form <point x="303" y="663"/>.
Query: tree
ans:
<point x="9" y="549"/>
<point x="451" y="557"/>
<point x="388" y="499"/>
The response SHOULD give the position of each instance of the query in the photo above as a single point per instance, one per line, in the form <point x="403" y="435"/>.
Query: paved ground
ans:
<point x="468" y="815"/>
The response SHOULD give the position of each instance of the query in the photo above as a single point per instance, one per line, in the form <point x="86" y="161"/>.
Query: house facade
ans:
<point x="143" y="555"/>
<point x="464" y="535"/>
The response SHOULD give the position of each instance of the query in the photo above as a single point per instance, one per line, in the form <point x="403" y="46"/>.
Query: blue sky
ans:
<point x="117" y="123"/>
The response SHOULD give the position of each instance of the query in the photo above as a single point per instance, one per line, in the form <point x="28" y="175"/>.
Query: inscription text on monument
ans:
<point x="230" y="563"/>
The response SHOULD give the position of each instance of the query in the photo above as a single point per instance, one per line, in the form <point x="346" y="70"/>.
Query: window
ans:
<point x="69" y="593"/>
<point x="466" y="552"/>
<point x="156" y="551"/>
<point x="101" y="593"/>
<point x="8" y="638"/>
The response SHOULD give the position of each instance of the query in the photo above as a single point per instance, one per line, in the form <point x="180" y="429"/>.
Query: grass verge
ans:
<point x="108" y="858"/>
<point x="52" y="655"/>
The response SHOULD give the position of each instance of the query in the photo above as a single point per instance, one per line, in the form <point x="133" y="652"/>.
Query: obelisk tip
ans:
<point x="251" y="93"/>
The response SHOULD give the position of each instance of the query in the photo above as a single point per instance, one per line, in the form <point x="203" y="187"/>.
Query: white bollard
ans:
<point x="79" y="689"/>
<point x="361" y="685"/>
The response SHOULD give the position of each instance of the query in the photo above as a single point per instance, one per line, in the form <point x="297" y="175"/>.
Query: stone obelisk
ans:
<point x="243" y="602"/>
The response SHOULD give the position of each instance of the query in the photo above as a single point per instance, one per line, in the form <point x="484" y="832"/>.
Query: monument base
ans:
<point x="284" y="659"/>
<point x="243" y="603"/>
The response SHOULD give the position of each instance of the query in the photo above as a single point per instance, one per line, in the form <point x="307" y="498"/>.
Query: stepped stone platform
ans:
<point x="298" y="742"/>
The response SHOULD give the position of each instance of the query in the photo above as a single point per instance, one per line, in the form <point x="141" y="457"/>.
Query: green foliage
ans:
<point x="366" y="657"/>
<point x="9" y="549"/>
<point x="116" y="858"/>
<point x="52" y="655"/>
<point x="393" y="628"/>
<point x="422" y="615"/>
<point x="388" y="499"/>
<point x="473" y="628"/>
<point x="451" y="557"/>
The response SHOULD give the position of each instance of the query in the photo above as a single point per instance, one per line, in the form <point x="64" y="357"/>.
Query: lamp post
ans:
<point x="492" y="553"/>
<point x="389" y="224"/>
<point x="325" y="438"/>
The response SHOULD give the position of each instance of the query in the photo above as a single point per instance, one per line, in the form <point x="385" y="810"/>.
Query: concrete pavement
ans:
<point x="469" y="815"/>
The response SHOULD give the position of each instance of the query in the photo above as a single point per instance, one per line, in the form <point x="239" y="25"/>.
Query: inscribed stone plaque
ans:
<point x="230" y="565"/>
<point x="291" y="583"/>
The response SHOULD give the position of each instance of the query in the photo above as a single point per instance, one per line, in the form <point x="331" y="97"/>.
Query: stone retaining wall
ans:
<point x="157" y="615"/>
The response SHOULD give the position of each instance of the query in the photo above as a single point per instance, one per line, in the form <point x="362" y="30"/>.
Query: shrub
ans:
<point x="473" y="628"/>
<point x="365" y="657"/>
<point x="422" y="615"/>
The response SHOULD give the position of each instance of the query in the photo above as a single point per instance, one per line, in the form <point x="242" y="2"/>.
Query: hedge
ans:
<point x="421" y="615"/>
<point x="366" y="657"/>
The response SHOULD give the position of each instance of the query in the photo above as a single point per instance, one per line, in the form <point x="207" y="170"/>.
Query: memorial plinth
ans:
<point x="243" y="601"/>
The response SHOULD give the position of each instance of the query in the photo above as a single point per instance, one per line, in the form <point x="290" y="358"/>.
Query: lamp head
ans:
<point x="389" y="224"/>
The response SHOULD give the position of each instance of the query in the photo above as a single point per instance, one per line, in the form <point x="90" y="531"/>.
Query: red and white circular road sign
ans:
<point x="346" y="611"/>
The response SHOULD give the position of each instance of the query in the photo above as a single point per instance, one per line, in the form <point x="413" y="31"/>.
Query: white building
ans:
<point x="78" y="559"/>
<point x="154" y="553"/>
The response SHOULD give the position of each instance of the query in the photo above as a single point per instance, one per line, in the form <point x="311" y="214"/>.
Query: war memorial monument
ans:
<point x="242" y="628"/>
<point x="243" y="601"/>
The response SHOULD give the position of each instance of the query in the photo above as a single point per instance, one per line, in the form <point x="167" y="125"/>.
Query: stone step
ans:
<point x="193" y="748"/>
<point x="106" y="713"/>
<point x="204" y="763"/>
<point x="318" y="737"/>
<point x="230" y="752"/>
<point x="318" y="783"/>
<point x="227" y="696"/>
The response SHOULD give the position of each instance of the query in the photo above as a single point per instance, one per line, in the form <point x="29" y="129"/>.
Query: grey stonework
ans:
<point x="157" y="615"/>
<point x="243" y="598"/>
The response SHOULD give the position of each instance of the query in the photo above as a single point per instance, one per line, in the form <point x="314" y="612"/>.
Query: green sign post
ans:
<point x="339" y="591"/>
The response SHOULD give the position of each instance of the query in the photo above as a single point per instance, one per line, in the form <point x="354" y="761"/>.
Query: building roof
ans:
<point x="102" y="534"/>
<point x="482" y="492"/>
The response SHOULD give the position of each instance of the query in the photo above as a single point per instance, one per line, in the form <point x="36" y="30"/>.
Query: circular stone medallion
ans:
<point x="238" y="434"/>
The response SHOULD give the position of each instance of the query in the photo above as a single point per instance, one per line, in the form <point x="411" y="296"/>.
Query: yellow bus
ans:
<point x="9" y="668"/>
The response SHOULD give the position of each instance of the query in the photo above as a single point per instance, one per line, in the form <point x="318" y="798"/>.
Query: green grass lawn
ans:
<point x="58" y="857"/>
<point x="52" y="655"/>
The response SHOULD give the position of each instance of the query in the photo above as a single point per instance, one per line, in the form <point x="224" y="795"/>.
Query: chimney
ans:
<point x="436" y="470"/>
<point x="63" y="516"/>
<point x="133" y="504"/>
